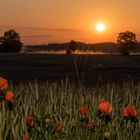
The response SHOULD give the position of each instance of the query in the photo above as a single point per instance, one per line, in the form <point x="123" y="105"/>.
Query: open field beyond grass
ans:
<point x="68" y="112"/>
<point x="89" y="69"/>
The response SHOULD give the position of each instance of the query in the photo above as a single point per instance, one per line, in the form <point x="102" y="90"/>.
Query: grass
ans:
<point x="61" y="104"/>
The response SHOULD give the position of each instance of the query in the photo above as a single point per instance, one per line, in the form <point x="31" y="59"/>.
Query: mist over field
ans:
<point x="81" y="48"/>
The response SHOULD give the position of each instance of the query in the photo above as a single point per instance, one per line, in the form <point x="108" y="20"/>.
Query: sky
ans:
<point x="45" y="21"/>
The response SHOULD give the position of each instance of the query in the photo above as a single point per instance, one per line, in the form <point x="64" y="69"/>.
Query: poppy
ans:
<point x="84" y="110"/>
<point x="3" y="84"/>
<point x="104" y="106"/>
<point x="26" y="137"/>
<point x="29" y="120"/>
<point x="59" y="127"/>
<point x="101" y="100"/>
<point x="129" y="111"/>
<point x="9" y="96"/>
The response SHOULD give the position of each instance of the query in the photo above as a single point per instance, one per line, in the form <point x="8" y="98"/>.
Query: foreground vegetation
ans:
<point x="64" y="111"/>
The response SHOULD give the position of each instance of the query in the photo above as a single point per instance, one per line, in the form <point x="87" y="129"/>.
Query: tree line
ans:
<point x="11" y="42"/>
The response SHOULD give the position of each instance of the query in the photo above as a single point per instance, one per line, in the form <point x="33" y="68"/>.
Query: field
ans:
<point x="89" y="69"/>
<point x="52" y="105"/>
<point x="70" y="97"/>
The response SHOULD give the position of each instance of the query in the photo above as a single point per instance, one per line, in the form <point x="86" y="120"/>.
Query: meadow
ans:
<point x="67" y="112"/>
<point x="69" y="97"/>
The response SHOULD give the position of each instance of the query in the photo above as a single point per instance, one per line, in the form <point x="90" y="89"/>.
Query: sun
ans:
<point x="100" y="27"/>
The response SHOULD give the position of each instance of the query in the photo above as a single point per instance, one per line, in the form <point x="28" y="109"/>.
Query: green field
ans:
<point x="61" y="104"/>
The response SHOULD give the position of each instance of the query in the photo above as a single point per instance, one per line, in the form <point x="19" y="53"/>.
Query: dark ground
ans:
<point x="91" y="69"/>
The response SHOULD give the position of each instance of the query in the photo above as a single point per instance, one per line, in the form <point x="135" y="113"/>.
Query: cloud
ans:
<point x="40" y="28"/>
<point x="36" y="36"/>
<point x="64" y="30"/>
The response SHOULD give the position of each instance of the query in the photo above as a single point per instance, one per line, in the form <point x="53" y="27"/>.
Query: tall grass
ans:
<point x="61" y="102"/>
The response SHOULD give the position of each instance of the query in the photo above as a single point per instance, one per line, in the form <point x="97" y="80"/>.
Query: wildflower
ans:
<point x="59" y="127"/>
<point x="101" y="100"/>
<point x="90" y="124"/>
<point x="84" y="110"/>
<point x="9" y="96"/>
<point x="29" y="120"/>
<point x="3" y="84"/>
<point x="104" y="106"/>
<point x="47" y="121"/>
<point x="129" y="111"/>
<point x="26" y="137"/>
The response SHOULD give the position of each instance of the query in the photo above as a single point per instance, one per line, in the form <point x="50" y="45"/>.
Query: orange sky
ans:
<point x="44" y="21"/>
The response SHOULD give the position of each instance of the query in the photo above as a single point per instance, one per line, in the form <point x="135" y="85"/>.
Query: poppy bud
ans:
<point x="3" y="84"/>
<point x="84" y="110"/>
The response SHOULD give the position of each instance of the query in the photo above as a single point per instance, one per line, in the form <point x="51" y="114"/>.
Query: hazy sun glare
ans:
<point x="100" y="27"/>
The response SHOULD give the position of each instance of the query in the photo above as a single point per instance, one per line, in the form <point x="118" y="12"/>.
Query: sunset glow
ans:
<point x="40" y="22"/>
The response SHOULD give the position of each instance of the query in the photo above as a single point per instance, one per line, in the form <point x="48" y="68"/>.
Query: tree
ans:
<point x="127" y="42"/>
<point x="10" y="42"/>
<point x="68" y="51"/>
<point x="73" y="45"/>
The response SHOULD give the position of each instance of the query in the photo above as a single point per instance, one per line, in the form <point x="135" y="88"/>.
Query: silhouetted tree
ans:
<point x="73" y="45"/>
<point x="10" y="42"/>
<point x="68" y="51"/>
<point x="126" y="41"/>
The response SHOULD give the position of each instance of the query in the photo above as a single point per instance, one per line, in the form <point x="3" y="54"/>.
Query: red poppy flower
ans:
<point x="3" y="84"/>
<point x="104" y="106"/>
<point x="9" y="96"/>
<point x="129" y="111"/>
<point x="26" y="137"/>
<point x="84" y="110"/>
<point x="29" y="120"/>
<point x="101" y="100"/>
<point x="59" y="127"/>
<point x="90" y="124"/>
